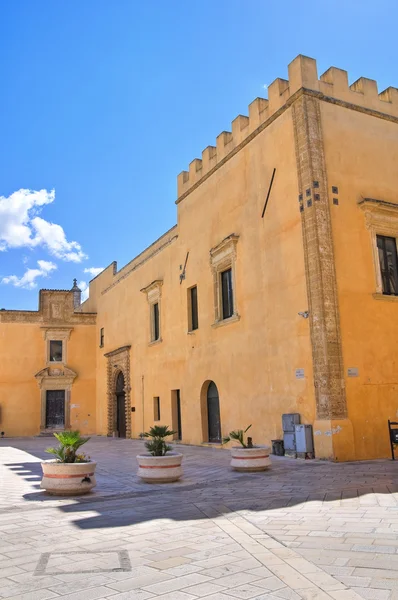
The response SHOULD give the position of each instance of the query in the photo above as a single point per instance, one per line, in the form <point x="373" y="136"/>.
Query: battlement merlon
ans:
<point x="302" y="73"/>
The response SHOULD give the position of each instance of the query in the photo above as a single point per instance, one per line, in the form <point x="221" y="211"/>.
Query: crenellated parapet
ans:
<point x="303" y="74"/>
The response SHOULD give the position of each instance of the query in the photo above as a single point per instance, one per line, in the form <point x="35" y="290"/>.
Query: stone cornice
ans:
<point x="117" y="351"/>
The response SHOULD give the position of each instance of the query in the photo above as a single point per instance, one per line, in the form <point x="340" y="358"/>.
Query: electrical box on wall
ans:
<point x="289" y="422"/>
<point x="304" y="441"/>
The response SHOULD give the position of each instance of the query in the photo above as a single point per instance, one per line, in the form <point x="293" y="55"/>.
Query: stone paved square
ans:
<point x="303" y="530"/>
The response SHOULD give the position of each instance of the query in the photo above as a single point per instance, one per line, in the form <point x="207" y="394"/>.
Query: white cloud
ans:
<point x="94" y="271"/>
<point x="83" y="285"/>
<point x="28" y="279"/>
<point x="53" y="236"/>
<point x="20" y="225"/>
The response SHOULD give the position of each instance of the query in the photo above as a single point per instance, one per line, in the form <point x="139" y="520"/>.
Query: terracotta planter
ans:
<point x="159" y="469"/>
<point x="250" y="459"/>
<point x="68" y="479"/>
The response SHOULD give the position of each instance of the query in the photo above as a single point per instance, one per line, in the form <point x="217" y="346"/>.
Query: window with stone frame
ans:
<point x="223" y="264"/>
<point x="388" y="261"/>
<point x="155" y="326"/>
<point x="156" y="408"/>
<point x="193" y="319"/>
<point x="381" y="218"/>
<point x="56" y="351"/>
<point x="154" y="294"/>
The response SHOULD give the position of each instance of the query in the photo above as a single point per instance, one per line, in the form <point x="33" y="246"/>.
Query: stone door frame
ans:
<point x="55" y="379"/>
<point x="118" y="361"/>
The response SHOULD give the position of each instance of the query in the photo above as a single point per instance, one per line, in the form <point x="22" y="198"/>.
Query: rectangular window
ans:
<point x="156" y="408"/>
<point x="101" y="337"/>
<point x="387" y="248"/>
<point x="155" y="322"/>
<point x="193" y="308"/>
<point x="227" y="300"/>
<point x="55" y="350"/>
<point x="176" y="413"/>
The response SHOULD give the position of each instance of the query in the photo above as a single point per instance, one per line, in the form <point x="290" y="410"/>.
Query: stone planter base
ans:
<point x="250" y="459"/>
<point x="159" y="469"/>
<point x="68" y="479"/>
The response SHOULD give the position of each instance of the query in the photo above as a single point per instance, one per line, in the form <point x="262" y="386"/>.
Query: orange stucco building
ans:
<point x="276" y="292"/>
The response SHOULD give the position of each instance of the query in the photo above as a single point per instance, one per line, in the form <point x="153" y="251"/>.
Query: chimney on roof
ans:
<point x="77" y="294"/>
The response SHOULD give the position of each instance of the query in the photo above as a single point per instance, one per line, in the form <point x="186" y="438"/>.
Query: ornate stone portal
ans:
<point x="118" y="362"/>
<point x="60" y="378"/>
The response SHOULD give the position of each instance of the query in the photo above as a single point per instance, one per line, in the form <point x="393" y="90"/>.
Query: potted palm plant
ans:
<point x="247" y="457"/>
<point x="71" y="472"/>
<point x="159" y="464"/>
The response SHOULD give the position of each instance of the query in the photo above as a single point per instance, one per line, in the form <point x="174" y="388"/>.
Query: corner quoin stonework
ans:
<point x="118" y="361"/>
<point x="319" y="260"/>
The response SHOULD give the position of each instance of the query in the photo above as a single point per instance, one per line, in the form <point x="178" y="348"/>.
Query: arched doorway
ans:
<point x="120" y="406"/>
<point x="213" y="413"/>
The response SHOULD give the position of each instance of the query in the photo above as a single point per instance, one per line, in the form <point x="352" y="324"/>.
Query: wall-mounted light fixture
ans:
<point x="304" y="314"/>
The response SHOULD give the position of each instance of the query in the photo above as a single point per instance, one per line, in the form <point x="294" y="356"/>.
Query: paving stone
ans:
<point x="372" y="593"/>
<point x="138" y="595"/>
<point x="177" y="583"/>
<point x="176" y="596"/>
<point x="316" y="524"/>
<point x="35" y="595"/>
<point x="270" y="583"/>
<point x="204" y="589"/>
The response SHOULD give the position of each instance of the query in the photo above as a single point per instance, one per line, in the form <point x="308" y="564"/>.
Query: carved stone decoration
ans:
<point x="118" y="361"/>
<point x="60" y="378"/>
<point x="319" y="262"/>
<point x="56" y="309"/>
<point x="56" y="379"/>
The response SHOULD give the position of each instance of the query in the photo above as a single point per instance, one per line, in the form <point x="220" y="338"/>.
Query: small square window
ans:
<point x="156" y="408"/>
<point x="335" y="189"/>
<point x="55" y="350"/>
<point x="102" y="337"/>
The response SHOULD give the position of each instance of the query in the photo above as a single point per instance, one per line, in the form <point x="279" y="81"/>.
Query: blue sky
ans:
<point x="105" y="102"/>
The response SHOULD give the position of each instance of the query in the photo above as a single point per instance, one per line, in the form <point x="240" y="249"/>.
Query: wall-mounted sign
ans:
<point x="300" y="374"/>
<point x="352" y="372"/>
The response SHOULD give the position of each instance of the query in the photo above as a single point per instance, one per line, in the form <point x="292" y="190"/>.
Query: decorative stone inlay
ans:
<point x="118" y="361"/>
<point x="319" y="263"/>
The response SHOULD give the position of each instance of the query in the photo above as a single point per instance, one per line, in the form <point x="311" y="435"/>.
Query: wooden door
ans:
<point x="120" y="406"/>
<point x="121" y="415"/>
<point x="213" y="413"/>
<point x="55" y="409"/>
